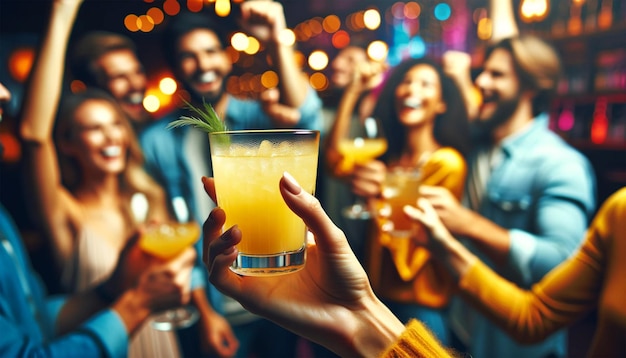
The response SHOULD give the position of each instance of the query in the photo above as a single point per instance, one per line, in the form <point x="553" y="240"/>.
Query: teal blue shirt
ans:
<point x="27" y="316"/>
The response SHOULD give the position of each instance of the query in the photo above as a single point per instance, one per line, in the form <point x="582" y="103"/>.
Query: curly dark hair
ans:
<point x="451" y="129"/>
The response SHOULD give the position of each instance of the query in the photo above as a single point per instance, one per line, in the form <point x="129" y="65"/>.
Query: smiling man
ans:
<point x="109" y="61"/>
<point x="529" y="195"/>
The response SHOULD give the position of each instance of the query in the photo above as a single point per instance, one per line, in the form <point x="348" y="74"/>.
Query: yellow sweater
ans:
<point x="400" y="270"/>
<point x="594" y="277"/>
<point x="417" y="342"/>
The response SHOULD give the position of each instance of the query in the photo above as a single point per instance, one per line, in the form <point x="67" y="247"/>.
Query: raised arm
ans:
<point x="51" y="201"/>
<point x="503" y="24"/>
<point x="265" y="20"/>
<point x="363" y="76"/>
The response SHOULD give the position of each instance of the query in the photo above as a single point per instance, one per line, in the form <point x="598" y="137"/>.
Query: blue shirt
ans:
<point x="169" y="159"/>
<point x="27" y="317"/>
<point x="542" y="191"/>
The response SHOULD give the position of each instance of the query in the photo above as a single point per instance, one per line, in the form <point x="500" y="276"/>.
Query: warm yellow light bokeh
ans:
<point x="371" y="19"/>
<point x="239" y="41"/>
<point x="168" y="86"/>
<point x="318" y="60"/>
<point x="377" y="50"/>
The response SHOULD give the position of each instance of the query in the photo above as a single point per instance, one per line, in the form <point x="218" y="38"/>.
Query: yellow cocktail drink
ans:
<point x="401" y="187"/>
<point x="247" y="167"/>
<point x="361" y="150"/>
<point x="169" y="239"/>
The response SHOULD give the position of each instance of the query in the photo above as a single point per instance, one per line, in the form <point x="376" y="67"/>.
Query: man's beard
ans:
<point x="482" y="129"/>
<point x="199" y="97"/>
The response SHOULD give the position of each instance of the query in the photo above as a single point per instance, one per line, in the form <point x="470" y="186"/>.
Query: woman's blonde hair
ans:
<point x="133" y="178"/>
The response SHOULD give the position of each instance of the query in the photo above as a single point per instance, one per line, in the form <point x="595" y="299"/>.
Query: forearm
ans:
<point x="503" y="20"/>
<point x="490" y="238"/>
<point x="77" y="309"/>
<point x="132" y="310"/>
<point x="292" y="83"/>
<point x="339" y="129"/>
<point x="45" y="84"/>
<point x="201" y="302"/>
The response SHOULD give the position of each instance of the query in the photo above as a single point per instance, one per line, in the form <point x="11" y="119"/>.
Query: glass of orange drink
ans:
<point x="247" y="167"/>
<point x="400" y="188"/>
<point x="364" y="142"/>
<point x="165" y="241"/>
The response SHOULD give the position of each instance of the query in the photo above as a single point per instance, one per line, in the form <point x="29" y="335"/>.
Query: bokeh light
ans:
<point x="269" y="79"/>
<point x="412" y="10"/>
<point x="131" y="22"/>
<point x="171" y="7"/>
<point x="145" y="23"/>
<point x="194" y="5"/>
<point x="222" y="8"/>
<point x="484" y="28"/>
<point x="340" y="39"/>
<point x="287" y="37"/>
<point x="239" y="41"/>
<point x="168" y="85"/>
<point x="397" y="10"/>
<point x="318" y="81"/>
<point x="253" y="46"/>
<point x="151" y="103"/>
<point x="371" y="19"/>
<point x="442" y="11"/>
<point x="20" y="62"/>
<point x="377" y="50"/>
<point x="331" y="23"/>
<point x="318" y="60"/>
<point x="156" y="14"/>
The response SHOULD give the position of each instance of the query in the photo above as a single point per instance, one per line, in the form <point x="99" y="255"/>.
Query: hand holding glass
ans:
<point x="247" y="167"/>
<point x="365" y="142"/>
<point x="401" y="187"/>
<point x="165" y="241"/>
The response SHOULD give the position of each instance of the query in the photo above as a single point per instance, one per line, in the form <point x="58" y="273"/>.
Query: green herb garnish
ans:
<point x="208" y="120"/>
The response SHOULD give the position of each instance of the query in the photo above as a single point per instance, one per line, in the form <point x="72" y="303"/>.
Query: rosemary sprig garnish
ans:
<point x="208" y="121"/>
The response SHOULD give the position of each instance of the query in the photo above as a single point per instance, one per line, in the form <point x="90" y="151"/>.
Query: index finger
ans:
<point x="328" y="237"/>
<point x="209" y="188"/>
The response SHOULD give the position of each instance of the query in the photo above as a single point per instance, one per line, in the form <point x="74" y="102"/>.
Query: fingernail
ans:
<point x="226" y="236"/>
<point x="291" y="184"/>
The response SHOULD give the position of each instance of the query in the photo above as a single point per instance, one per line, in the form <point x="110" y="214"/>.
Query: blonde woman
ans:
<point x="85" y="174"/>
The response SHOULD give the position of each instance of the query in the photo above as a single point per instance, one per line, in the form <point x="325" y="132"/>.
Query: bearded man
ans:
<point x="529" y="195"/>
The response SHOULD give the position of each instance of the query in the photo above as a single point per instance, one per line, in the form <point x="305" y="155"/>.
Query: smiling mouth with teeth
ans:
<point x="112" y="151"/>
<point x="135" y="98"/>
<point x="208" y="77"/>
<point x="412" y="103"/>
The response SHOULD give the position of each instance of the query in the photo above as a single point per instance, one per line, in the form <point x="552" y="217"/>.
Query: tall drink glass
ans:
<point x="401" y="187"/>
<point x="247" y="167"/>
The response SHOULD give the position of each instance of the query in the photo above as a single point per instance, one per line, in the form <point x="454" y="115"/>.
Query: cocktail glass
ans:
<point x="365" y="142"/>
<point x="247" y="167"/>
<point x="401" y="187"/>
<point x="165" y="241"/>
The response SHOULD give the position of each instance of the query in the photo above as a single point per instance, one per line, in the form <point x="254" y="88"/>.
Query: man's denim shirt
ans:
<point x="543" y="191"/>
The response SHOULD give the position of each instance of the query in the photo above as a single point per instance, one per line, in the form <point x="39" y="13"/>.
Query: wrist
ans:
<point x="377" y="328"/>
<point x="132" y="309"/>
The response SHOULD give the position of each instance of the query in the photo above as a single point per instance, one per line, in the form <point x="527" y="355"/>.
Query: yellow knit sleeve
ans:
<point x="417" y="341"/>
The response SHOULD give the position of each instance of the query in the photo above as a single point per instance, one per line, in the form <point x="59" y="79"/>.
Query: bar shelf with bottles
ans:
<point x="589" y="110"/>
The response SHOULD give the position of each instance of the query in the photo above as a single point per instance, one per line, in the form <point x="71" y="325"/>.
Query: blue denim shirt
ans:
<point x="543" y="191"/>
<point x="27" y="316"/>
<point x="166" y="161"/>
